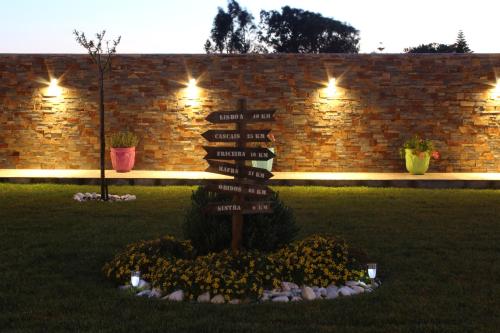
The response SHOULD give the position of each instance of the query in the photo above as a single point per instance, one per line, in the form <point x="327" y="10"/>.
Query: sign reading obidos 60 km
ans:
<point x="244" y="186"/>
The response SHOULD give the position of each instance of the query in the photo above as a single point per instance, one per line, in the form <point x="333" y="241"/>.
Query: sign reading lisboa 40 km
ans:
<point x="245" y="184"/>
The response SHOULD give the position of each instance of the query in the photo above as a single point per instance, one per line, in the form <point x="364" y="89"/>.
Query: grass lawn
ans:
<point x="438" y="253"/>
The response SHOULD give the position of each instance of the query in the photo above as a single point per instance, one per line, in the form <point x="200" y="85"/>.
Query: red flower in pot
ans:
<point x="123" y="151"/>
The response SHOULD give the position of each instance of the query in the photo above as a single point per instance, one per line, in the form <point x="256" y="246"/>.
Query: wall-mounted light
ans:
<point x="495" y="94"/>
<point x="192" y="89"/>
<point x="54" y="90"/>
<point x="331" y="88"/>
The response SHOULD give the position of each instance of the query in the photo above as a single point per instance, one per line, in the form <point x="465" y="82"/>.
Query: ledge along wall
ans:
<point x="380" y="100"/>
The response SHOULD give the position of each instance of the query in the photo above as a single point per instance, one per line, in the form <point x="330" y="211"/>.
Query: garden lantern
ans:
<point x="135" y="278"/>
<point x="372" y="272"/>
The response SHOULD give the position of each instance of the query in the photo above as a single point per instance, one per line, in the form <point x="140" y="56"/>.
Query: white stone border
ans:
<point x="81" y="197"/>
<point x="289" y="292"/>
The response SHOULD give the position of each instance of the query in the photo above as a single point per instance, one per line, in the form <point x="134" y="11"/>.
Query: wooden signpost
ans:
<point x="244" y="176"/>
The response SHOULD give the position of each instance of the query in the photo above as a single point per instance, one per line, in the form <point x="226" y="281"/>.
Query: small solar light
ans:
<point x="372" y="272"/>
<point x="135" y="278"/>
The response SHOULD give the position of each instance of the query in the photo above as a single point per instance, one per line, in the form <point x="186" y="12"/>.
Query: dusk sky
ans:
<point x="182" y="26"/>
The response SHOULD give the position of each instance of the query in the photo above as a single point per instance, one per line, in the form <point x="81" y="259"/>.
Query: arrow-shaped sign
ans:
<point x="230" y="169"/>
<point x="233" y="135"/>
<point x="237" y="188"/>
<point x="251" y="207"/>
<point x="219" y="117"/>
<point x="234" y="153"/>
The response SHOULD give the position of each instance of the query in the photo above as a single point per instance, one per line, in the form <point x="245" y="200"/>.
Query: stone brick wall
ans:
<point x="380" y="101"/>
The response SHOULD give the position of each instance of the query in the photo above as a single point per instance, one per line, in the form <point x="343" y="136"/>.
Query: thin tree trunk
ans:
<point x="104" y="185"/>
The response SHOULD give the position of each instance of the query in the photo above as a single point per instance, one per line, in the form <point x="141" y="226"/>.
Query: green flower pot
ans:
<point x="268" y="165"/>
<point x="417" y="164"/>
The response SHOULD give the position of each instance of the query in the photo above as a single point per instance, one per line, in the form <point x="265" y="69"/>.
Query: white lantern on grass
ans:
<point x="135" y="278"/>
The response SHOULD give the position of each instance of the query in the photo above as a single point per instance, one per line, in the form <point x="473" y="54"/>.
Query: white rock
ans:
<point x="144" y="293"/>
<point x="265" y="297"/>
<point x="218" y="299"/>
<point x="314" y="288"/>
<point x="78" y="196"/>
<point x="322" y="292"/>
<point x="144" y="285"/>
<point x="176" y="296"/>
<point x="362" y="284"/>
<point x="281" y="293"/>
<point x="204" y="298"/>
<point x="308" y="294"/>
<point x="280" y="299"/>
<point x="345" y="291"/>
<point x="332" y="292"/>
<point x="288" y="286"/>
<point x="317" y="293"/>
<point x="357" y="290"/>
<point x="235" y="301"/>
<point x="155" y="293"/>
<point x="351" y="283"/>
<point x="296" y="299"/>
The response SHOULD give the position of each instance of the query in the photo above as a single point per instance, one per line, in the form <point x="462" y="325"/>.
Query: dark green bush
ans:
<point x="212" y="233"/>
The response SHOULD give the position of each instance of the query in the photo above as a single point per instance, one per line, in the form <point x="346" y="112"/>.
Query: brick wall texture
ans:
<point x="380" y="101"/>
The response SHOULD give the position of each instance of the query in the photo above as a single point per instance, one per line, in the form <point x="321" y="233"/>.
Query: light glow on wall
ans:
<point x="495" y="94"/>
<point x="54" y="90"/>
<point x="192" y="90"/>
<point x="331" y="88"/>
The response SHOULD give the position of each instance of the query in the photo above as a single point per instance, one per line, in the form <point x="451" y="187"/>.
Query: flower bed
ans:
<point x="172" y="266"/>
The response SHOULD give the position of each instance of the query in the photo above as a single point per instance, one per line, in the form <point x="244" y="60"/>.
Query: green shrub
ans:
<point x="124" y="140"/>
<point x="169" y="265"/>
<point x="212" y="233"/>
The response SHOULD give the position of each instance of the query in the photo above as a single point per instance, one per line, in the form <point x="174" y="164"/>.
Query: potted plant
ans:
<point x="268" y="165"/>
<point x="417" y="153"/>
<point x="123" y="151"/>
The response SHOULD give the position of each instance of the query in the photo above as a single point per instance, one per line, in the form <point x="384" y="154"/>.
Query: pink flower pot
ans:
<point x="123" y="159"/>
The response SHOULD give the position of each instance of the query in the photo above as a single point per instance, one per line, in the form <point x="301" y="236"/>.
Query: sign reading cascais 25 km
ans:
<point x="234" y="135"/>
<point x="248" y="116"/>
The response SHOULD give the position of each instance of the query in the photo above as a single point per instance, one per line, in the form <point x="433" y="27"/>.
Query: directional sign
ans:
<point x="252" y="207"/>
<point x="234" y="153"/>
<point x="219" y="117"/>
<point x="234" y="135"/>
<point x="230" y="169"/>
<point x="237" y="188"/>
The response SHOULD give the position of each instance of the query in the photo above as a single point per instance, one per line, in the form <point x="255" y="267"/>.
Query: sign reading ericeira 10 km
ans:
<point x="243" y="187"/>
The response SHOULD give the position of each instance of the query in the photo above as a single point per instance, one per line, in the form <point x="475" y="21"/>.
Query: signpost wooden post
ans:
<point x="244" y="176"/>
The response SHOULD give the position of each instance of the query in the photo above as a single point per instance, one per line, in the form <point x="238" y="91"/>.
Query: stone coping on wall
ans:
<point x="161" y="178"/>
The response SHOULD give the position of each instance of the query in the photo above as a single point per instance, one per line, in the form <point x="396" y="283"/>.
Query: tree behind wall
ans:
<point x="232" y="31"/>
<point x="102" y="58"/>
<point x="460" y="46"/>
<point x="299" y="31"/>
